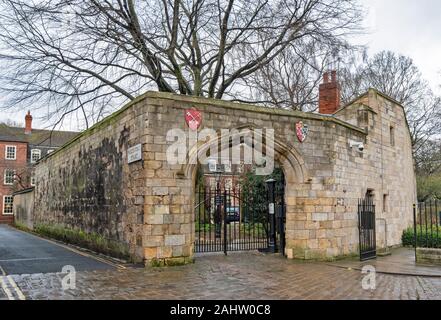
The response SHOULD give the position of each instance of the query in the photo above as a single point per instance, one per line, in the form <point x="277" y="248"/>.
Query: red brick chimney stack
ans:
<point x="329" y="93"/>
<point x="28" y="120"/>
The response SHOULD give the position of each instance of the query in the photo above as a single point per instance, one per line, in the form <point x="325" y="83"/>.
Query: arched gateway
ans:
<point x="129" y="181"/>
<point x="231" y="212"/>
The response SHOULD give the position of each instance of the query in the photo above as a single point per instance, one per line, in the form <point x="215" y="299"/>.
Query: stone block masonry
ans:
<point x="147" y="206"/>
<point x="428" y="255"/>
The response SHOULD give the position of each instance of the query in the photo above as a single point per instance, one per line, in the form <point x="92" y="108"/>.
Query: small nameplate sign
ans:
<point x="134" y="153"/>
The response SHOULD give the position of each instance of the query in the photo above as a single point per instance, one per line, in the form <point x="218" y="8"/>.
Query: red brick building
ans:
<point x="13" y="158"/>
<point x="20" y="149"/>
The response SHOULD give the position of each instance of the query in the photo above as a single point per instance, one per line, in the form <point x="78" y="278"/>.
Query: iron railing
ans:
<point x="230" y="220"/>
<point x="427" y="224"/>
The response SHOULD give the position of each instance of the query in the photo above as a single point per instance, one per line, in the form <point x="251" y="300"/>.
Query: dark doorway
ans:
<point x="366" y="226"/>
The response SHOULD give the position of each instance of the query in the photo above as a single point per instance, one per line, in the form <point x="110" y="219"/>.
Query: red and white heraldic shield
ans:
<point x="193" y="117"/>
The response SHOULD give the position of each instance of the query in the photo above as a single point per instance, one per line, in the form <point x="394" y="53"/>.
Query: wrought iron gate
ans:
<point x="366" y="226"/>
<point x="230" y="220"/>
<point x="280" y="206"/>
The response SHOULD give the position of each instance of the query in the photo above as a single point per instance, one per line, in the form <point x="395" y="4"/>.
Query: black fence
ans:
<point x="239" y="220"/>
<point x="427" y="225"/>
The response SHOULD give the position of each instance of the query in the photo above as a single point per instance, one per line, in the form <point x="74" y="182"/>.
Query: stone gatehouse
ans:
<point x="147" y="206"/>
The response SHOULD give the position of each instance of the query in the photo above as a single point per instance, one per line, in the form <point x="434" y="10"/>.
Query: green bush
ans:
<point x="429" y="239"/>
<point x="92" y="241"/>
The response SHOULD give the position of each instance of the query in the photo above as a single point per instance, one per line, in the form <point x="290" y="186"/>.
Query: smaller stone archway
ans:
<point x="285" y="156"/>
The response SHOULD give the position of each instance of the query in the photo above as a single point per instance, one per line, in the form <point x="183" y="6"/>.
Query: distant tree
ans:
<point x="11" y="123"/>
<point x="292" y="79"/>
<point x="398" y="77"/>
<point x="350" y="74"/>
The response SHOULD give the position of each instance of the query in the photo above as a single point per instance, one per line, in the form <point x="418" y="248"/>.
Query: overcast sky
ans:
<point x="409" y="27"/>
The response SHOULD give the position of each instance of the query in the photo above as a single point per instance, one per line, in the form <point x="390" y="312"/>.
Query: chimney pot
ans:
<point x="28" y="122"/>
<point x="329" y="94"/>
<point x="334" y="76"/>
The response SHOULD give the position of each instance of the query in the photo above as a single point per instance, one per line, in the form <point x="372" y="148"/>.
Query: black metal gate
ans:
<point x="366" y="226"/>
<point x="231" y="220"/>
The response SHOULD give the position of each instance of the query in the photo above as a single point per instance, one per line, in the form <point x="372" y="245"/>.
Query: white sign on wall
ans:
<point x="134" y="153"/>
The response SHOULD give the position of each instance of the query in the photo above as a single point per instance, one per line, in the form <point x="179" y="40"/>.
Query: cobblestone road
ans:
<point x="238" y="276"/>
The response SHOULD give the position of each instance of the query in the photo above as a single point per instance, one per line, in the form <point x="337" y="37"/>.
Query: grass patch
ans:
<point x="21" y="226"/>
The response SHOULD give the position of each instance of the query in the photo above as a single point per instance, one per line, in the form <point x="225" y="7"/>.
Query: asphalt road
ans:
<point x="23" y="253"/>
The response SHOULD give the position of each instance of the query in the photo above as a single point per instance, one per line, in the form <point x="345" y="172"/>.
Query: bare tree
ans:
<point x="291" y="80"/>
<point x="398" y="77"/>
<point x="84" y="55"/>
<point x="350" y="73"/>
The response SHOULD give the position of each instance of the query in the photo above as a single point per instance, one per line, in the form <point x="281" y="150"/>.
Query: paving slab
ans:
<point x="401" y="261"/>
<point x="247" y="276"/>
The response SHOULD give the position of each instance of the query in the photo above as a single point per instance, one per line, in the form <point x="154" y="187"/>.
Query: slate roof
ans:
<point x="43" y="138"/>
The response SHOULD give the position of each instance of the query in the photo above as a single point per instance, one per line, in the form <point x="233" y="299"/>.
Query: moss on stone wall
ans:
<point x="92" y="241"/>
<point x="169" y="262"/>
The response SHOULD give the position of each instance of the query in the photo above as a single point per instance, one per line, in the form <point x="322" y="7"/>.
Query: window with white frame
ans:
<point x="8" y="205"/>
<point x="11" y="153"/>
<point x="9" y="177"/>
<point x="35" y="155"/>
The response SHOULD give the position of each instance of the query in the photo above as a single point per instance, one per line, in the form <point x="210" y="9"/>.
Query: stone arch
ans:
<point x="288" y="157"/>
<point x="293" y="164"/>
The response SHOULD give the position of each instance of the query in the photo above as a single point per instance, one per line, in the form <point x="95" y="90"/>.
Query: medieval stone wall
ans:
<point x="148" y="205"/>
<point x="388" y="168"/>
<point x="88" y="185"/>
